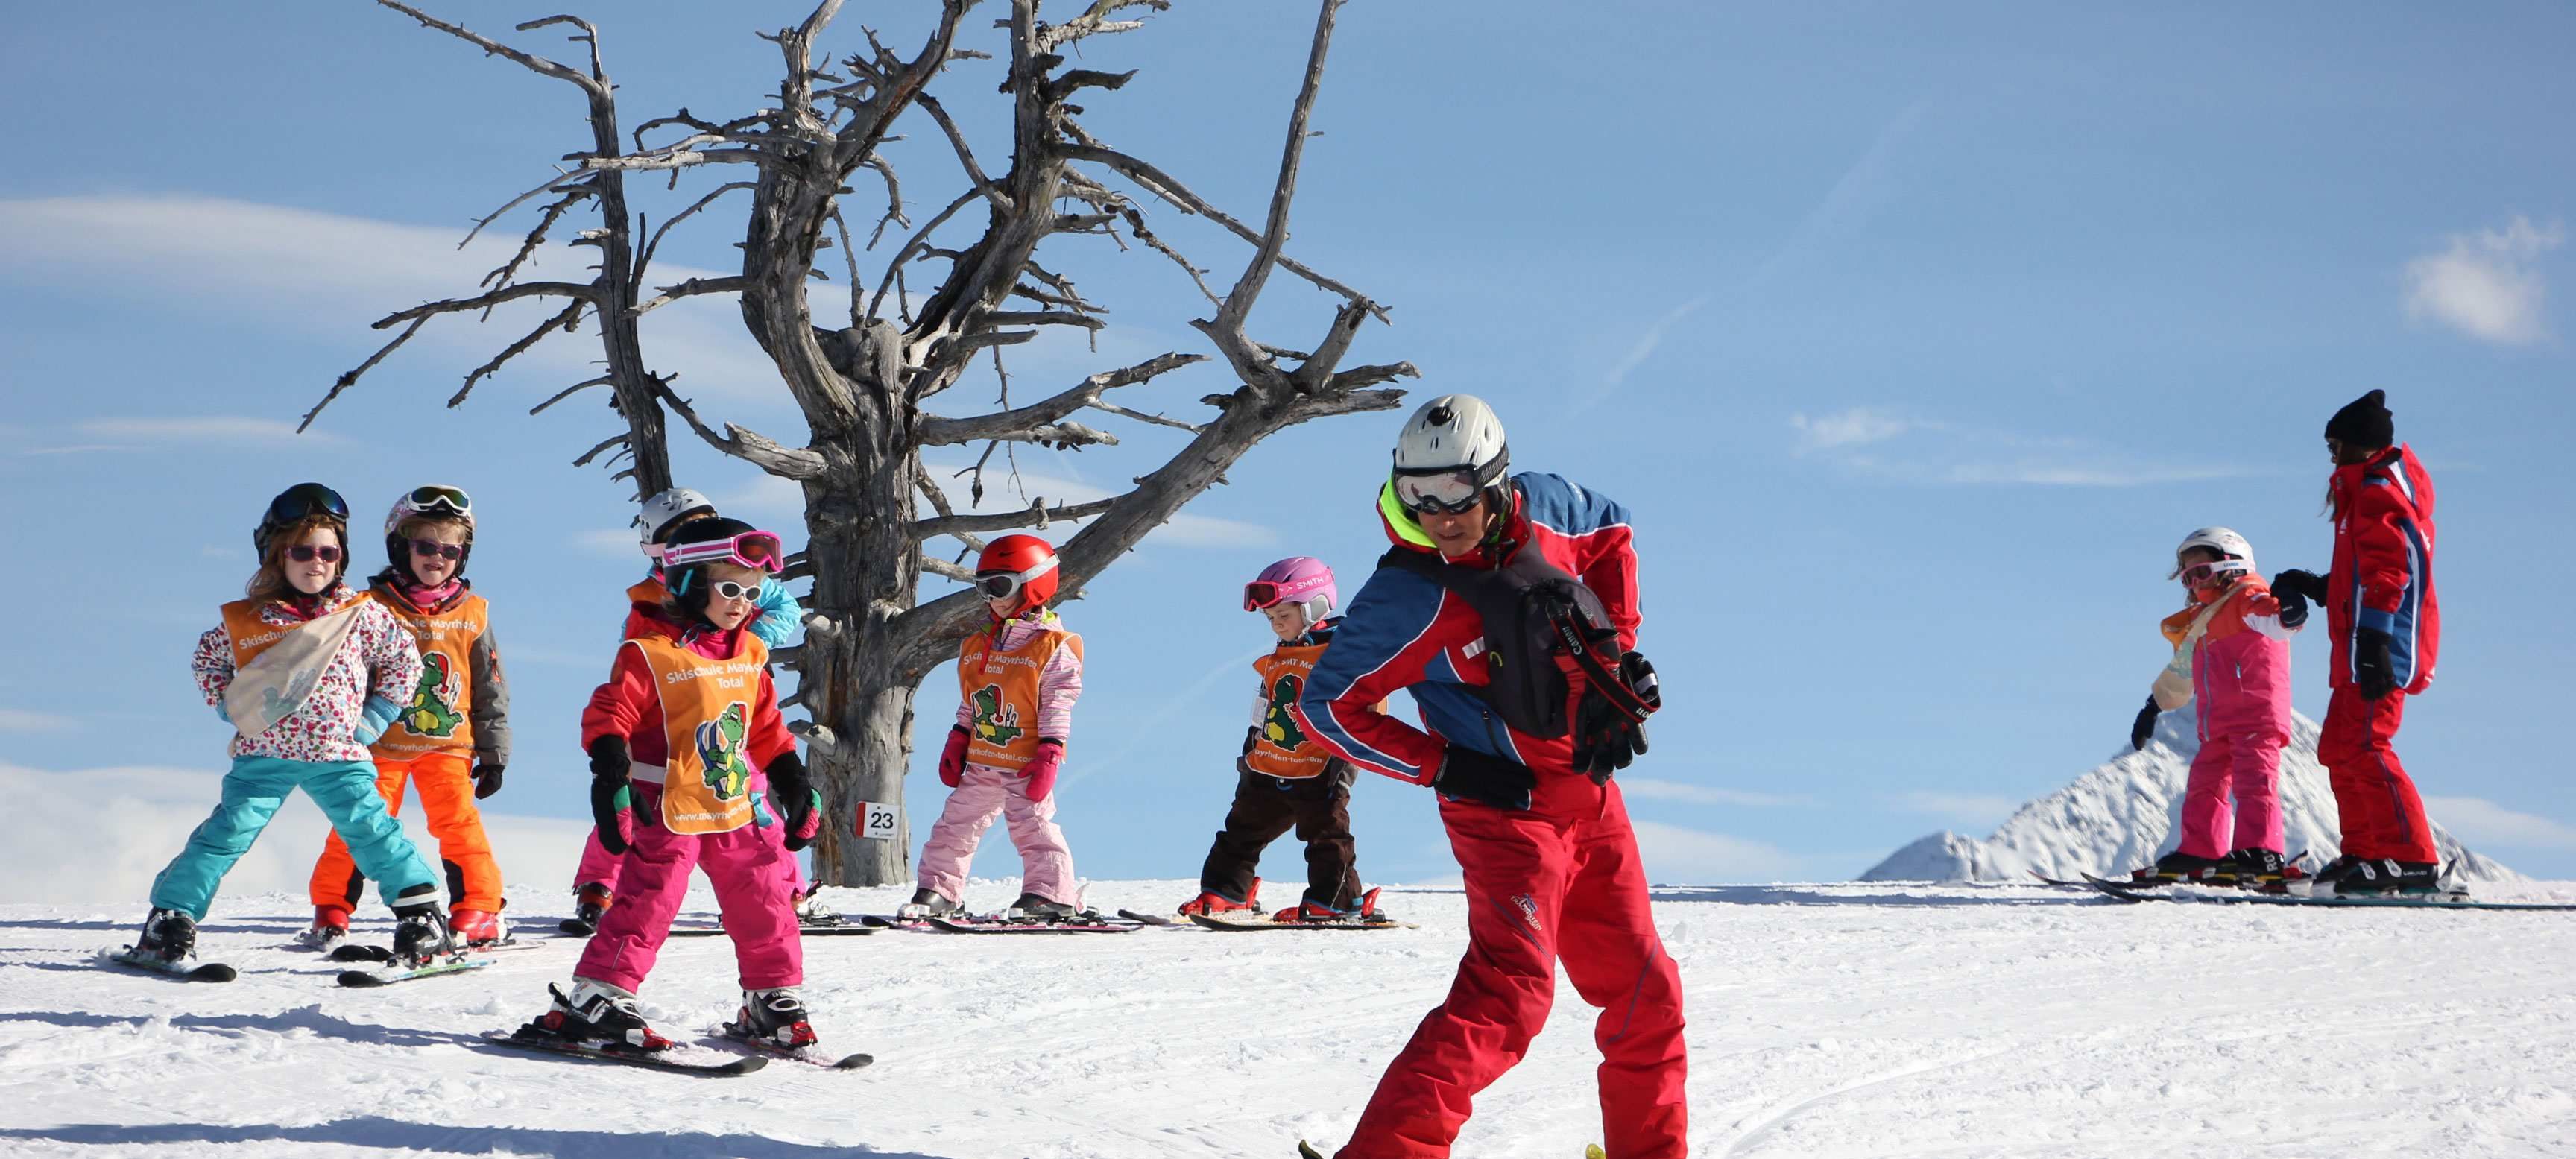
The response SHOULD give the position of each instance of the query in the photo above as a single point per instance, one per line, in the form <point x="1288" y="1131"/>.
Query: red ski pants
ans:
<point x="1559" y="883"/>
<point x="2374" y="798"/>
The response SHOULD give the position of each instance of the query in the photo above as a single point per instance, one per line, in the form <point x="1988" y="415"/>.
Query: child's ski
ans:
<point x="801" y="931"/>
<point x="577" y="927"/>
<point x="364" y="952"/>
<point x="368" y="978"/>
<point x="1149" y="919"/>
<point x="199" y="972"/>
<point x="947" y="925"/>
<point x="650" y="1060"/>
<point x="2238" y="897"/>
<point x="733" y="1035"/>
<point x="1216" y="923"/>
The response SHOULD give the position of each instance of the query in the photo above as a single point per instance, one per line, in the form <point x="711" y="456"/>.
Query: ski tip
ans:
<point x="1306" y="1152"/>
<point x="359" y="979"/>
<point x="1594" y="1151"/>
<point x="577" y="929"/>
<point x="854" y="1062"/>
<point x="354" y="952"/>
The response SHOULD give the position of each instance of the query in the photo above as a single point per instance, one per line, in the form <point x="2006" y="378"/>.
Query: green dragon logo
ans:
<point x="1280" y="727"/>
<point x="720" y="752"/>
<point x="996" y="723"/>
<point x="432" y="711"/>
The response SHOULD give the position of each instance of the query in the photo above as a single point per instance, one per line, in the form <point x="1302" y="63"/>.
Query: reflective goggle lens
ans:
<point x="1448" y="492"/>
<point x="304" y="499"/>
<point x="452" y="498"/>
<point x="1259" y="594"/>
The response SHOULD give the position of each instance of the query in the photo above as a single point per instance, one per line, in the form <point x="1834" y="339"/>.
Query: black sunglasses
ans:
<point x="434" y="547"/>
<point x="307" y="553"/>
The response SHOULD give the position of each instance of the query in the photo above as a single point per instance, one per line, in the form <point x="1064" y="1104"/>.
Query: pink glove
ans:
<point x="952" y="760"/>
<point x="1041" y="769"/>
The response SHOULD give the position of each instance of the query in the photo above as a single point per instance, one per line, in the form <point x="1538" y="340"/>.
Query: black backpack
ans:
<point x="1533" y="612"/>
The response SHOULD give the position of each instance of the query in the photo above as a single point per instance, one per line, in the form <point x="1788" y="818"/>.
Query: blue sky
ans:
<point x="1913" y="335"/>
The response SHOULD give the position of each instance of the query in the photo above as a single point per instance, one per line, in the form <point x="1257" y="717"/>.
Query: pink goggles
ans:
<point x="2202" y="573"/>
<point x="1260" y="595"/>
<point x="752" y="549"/>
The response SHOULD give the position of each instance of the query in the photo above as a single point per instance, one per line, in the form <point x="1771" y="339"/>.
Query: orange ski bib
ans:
<point x="1002" y="686"/>
<point x="438" y="716"/>
<point x="1280" y="747"/>
<point x="706" y="722"/>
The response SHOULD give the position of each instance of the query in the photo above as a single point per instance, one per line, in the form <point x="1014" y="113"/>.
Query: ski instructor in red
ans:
<point x="1488" y="571"/>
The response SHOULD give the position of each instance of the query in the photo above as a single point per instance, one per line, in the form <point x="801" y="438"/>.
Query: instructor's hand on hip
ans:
<point x="2372" y="671"/>
<point x="1474" y="776"/>
<point x="608" y="792"/>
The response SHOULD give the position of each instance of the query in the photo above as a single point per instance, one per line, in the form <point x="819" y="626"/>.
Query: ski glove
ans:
<point x="799" y="804"/>
<point x="377" y="716"/>
<point x="2372" y="672"/>
<point x="1608" y="738"/>
<point x="2307" y="585"/>
<point x="2144" y="729"/>
<point x="952" y="759"/>
<point x="487" y="779"/>
<point x="1040" y="772"/>
<point x="1243" y="762"/>
<point x="1469" y="775"/>
<point x="609" y="795"/>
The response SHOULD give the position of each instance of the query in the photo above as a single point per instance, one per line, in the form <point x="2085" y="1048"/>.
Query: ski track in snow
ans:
<point x="1825" y="1020"/>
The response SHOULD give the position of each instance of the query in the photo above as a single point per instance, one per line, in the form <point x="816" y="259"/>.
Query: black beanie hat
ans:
<point x="2364" y="422"/>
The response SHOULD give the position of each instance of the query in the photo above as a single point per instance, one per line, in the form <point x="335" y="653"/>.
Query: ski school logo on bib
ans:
<point x="1281" y="727"/>
<point x="432" y="711"/>
<point x="720" y="744"/>
<point x="996" y="723"/>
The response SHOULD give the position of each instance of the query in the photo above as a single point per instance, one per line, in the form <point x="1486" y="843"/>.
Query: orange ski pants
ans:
<point x="445" y="781"/>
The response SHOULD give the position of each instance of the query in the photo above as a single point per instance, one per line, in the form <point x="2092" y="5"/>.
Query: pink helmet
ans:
<point x="1302" y="578"/>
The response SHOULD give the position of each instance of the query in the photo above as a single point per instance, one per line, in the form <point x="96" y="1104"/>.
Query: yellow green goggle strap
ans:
<point x="1401" y="519"/>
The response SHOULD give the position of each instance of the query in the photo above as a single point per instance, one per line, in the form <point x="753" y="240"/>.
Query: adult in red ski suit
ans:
<point x="1557" y="881"/>
<point x="2386" y="627"/>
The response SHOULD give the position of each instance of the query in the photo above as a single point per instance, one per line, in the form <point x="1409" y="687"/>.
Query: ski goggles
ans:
<point x="753" y="549"/>
<point x="2202" y="573"/>
<point x="1002" y="585"/>
<point x="1447" y="491"/>
<point x="433" y="497"/>
<point x="1260" y="595"/>
<point x="305" y="499"/>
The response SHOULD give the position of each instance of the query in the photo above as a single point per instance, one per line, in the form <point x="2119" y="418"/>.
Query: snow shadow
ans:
<point x="225" y="927"/>
<point x="306" y="1018"/>
<point x="380" y="1132"/>
<point x="1871" y="894"/>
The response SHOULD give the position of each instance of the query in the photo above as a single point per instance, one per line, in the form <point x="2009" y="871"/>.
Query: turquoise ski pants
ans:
<point x="253" y="790"/>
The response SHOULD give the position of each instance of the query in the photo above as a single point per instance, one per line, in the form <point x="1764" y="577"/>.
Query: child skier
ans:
<point x="686" y="716"/>
<point x="308" y="673"/>
<point x="452" y="738"/>
<point x="775" y="621"/>
<point x="2231" y="655"/>
<point x="1019" y="677"/>
<point x="1284" y="778"/>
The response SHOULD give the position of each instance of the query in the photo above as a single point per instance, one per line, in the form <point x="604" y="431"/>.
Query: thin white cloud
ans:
<point x="1646" y="789"/>
<point x="75" y="449"/>
<point x="2487" y="284"/>
<point x="1966" y="808"/>
<point x="228" y="430"/>
<point x="616" y="541"/>
<point x="27" y="720"/>
<point x="1857" y="426"/>
<point x="1646" y="343"/>
<point x="2483" y="822"/>
<point x="1002" y="494"/>
<point x="1908" y="448"/>
<point x="1674" y="854"/>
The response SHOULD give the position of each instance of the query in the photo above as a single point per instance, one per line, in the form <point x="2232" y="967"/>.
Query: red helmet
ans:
<point x="1017" y="565"/>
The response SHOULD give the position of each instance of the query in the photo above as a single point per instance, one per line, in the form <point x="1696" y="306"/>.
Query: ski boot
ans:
<point x="925" y="903"/>
<point x="2387" y="877"/>
<point x="590" y="901"/>
<point x="2175" y="868"/>
<point x="169" y="935"/>
<point x="2260" y="870"/>
<point x="773" y="1018"/>
<point x="330" y="928"/>
<point x="1312" y="911"/>
<point x="595" y="1014"/>
<point x="1032" y="908"/>
<point x="811" y="912"/>
<point x="1211" y="902"/>
<point x="475" y="929"/>
<point x="421" y="934"/>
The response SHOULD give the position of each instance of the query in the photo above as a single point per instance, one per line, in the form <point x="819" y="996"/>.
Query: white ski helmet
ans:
<point x="663" y="510"/>
<point x="2224" y="541"/>
<point x="1449" y="452"/>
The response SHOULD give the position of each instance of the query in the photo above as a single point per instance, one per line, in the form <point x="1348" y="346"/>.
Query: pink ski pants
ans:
<point x="751" y="892"/>
<point x="599" y="865"/>
<point x="2246" y="766"/>
<point x="981" y="792"/>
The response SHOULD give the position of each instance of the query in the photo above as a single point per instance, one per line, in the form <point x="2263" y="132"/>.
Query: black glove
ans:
<point x="487" y="779"/>
<point x="1607" y="739"/>
<point x="608" y="793"/>
<point x="2294" y="607"/>
<point x="2307" y="585"/>
<point x="793" y="794"/>
<point x="1491" y="780"/>
<point x="2371" y="670"/>
<point x="2145" y="728"/>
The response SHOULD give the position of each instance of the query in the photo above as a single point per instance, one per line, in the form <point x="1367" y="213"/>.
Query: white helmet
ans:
<point x="2224" y="541"/>
<point x="663" y="510"/>
<point x="1450" y="451"/>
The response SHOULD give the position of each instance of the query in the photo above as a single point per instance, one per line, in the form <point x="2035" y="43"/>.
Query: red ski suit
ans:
<point x="2382" y="579"/>
<point x="1557" y="883"/>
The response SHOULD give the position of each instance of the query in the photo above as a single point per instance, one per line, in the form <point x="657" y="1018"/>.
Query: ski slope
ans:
<point x="1826" y="1020"/>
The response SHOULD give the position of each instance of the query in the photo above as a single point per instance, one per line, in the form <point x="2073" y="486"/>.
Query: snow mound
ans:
<point x="2125" y="813"/>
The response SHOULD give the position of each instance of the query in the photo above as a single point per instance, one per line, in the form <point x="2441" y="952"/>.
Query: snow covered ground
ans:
<point x="1826" y="1020"/>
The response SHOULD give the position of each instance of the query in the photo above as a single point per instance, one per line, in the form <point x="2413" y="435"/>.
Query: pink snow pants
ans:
<point x="981" y="792"/>
<point x="2244" y="765"/>
<point x="751" y="892"/>
<point x="599" y="865"/>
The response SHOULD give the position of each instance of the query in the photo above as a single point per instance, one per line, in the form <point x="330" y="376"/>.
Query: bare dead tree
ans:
<point x="864" y="386"/>
<point x="609" y="298"/>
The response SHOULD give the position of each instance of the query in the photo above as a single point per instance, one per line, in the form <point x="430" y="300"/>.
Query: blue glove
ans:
<point x="760" y="818"/>
<point x="780" y="615"/>
<point x="224" y="716"/>
<point x="377" y="716"/>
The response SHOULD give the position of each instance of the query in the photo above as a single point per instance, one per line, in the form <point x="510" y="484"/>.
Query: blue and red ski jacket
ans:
<point x="1406" y="632"/>
<point x="2382" y="576"/>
